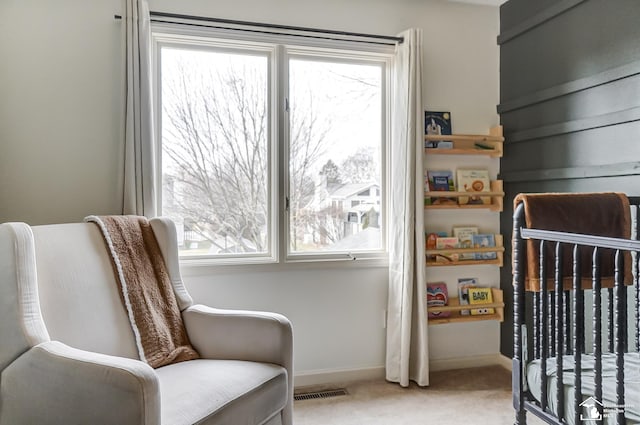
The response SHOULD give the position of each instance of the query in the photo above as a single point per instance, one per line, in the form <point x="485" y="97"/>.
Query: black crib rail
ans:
<point x="557" y="318"/>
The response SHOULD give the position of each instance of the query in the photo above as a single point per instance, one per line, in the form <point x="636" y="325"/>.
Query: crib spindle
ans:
<point x="597" y="327"/>
<point x="537" y="317"/>
<point x="567" y="322"/>
<point x="518" y="367"/>
<point x="623" y="309"/>
<point x="610" y="320"/>
<point x="578" y="332"/>
<point x="552" y="322"/>
<point x="636" y="284"/>
<point x="559" y="331"/>
<point x="543" y="329"/>
<point x="620" y="302"/>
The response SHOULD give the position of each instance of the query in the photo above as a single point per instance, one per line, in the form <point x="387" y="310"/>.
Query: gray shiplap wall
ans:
<point x="569" y="104"/>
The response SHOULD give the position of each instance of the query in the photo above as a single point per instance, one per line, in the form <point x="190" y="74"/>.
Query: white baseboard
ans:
<point x="336" y="376"/>
<point x="343" y="376"/>
<point x="468" y="362"/>
<point x="506" y="362"/>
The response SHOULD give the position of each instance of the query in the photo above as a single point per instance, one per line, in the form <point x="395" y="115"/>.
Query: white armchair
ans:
<point x="68" y="355"/>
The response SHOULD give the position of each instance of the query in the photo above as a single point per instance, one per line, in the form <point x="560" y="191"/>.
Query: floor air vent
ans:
<point x="320" y="394"/>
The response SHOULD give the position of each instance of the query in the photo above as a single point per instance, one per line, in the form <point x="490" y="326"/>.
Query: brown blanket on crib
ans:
<point x="146" y="290"/>
<point x="599" y="214"/>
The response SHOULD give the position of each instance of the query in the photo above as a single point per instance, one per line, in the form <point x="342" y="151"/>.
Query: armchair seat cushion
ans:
<point x="221" y="392"/>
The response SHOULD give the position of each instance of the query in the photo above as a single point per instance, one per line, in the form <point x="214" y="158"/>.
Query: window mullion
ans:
<point x="282" y="136"/>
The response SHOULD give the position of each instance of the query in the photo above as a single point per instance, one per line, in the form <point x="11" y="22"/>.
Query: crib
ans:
<point x="576" y="353"/>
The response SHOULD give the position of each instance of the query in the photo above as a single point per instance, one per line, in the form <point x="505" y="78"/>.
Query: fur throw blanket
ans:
<point x="145" y="290"/>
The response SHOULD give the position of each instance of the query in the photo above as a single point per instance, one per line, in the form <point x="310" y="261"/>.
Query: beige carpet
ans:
<point x="480" y="396"/>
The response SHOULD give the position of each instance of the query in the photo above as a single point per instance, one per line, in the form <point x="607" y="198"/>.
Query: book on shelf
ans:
<point x="431" y="243"/>
<point x="485" y="241"/>
<point x="481" y="296"/>
<point x="446" y="242"/>
<point x="430" y="240"/>
<point x="464" y="283"/>
<point x="474" y="181"/>
<point x="465" y="240"/>
<point x="437" y="123"/>
<point x="439" y="181"/>
<point x="437" y="296"/>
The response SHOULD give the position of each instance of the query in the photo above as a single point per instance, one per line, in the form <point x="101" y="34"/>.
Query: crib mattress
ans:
<point x="631" y="379"/>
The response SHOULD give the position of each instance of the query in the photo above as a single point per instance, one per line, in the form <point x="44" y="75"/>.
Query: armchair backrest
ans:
<point x="79" y="296"/>
<point x="57" y="282"/>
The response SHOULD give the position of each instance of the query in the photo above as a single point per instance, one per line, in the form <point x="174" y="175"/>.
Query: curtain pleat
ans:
<point x="139" y="194"/>
<point x="407" y="354"/>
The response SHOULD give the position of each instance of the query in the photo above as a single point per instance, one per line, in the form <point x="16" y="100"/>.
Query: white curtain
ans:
<point x="407" y="349"/>
<point x="139" y="157"/>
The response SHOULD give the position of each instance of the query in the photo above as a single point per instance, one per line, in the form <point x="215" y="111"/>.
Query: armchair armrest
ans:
<point x="243" y="335"/>
<point x="53" y="383"/>
<point x="240" y="335"/>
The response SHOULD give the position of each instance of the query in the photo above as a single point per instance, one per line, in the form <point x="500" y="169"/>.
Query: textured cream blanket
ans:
<point x="146" y="290"/>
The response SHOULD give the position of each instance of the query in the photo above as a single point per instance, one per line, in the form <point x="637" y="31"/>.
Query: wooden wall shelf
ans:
<point x="452" y="252"/>
<point x="496" y="193"/>
<point x="482" y="149"/>
<point x="455" y="310"/>
<point x="465" y="144"/>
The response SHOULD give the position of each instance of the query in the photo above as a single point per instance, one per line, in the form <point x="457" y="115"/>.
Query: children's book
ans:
<point x="480" y="296"/>
<point x="446" y="243"/>
<point x="430" y="240"/>
<point x="484" y="241"/>
<point x="465" y="240"/>
<point x="440" y="181"/>
<point x="464" y="283"/>
<point x="437" y="296"/>
<point x="436" y="123"/>
<point x="474" y="181"/>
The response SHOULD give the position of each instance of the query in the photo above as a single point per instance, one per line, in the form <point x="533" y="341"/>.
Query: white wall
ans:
<point x="61" y="159"/>
<point x="59" y="110"/>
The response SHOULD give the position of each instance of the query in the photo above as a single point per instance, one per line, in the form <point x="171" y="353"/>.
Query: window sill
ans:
<point x="203" y="267"/>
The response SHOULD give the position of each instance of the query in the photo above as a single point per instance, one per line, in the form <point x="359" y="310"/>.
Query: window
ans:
<point x="335" y="152"/>
<point x="215" y="167"/>
<point x="271" y="150"/>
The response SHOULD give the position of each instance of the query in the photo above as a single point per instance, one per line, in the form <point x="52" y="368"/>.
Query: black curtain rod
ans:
<point x="269" y="26"/>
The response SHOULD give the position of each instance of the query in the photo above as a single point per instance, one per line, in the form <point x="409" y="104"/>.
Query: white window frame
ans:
<point x="199" y="42"/>
<point x="355" y="57"/>
<point x="279" y="49"/>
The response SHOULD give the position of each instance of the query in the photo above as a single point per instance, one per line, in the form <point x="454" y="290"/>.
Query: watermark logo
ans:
<point x="593" y="410"/>
<point x="590" y="409"/>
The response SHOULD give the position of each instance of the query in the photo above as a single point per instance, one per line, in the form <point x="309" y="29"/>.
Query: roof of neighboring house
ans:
<point x="349" y="189"/>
